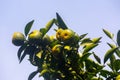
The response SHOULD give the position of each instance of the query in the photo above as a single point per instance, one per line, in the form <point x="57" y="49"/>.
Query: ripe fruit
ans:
<point x="35" y="36"/>
<point x="56" y="50"/>
<point x="118" y="77"/>
<point x="18" y="39"/>
<point x="58" y="34"/>
<point x="67" y="35"/>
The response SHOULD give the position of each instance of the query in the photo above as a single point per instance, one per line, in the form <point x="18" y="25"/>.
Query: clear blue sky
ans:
<point x="83" y="16"/>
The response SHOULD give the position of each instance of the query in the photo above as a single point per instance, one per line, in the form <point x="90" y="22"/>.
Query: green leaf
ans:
<point x="32" y="75"/>
<point x="97" y="58"/>
<point x="85" y="56"/>
<point x="89" y="47"/>
<point x="60" y="22"/>
<point x="29" y="50"/>
<point x="43" y="31"/>
<point x="112" y="60"/>
<point x="43" y="72"/>
<point x="108" y="54"/>
<point x="116" y="65"/>
<point x="86" y="41"/>
<point x="117" y="51"/>
<point x="21" y="49"/>
<point x="28" y="27"/>
<point x="118" y="38"/>
<point x="49" y="24"/>
<point x="110" y="35"/>
<point x="82" y="36"/>
<point x="96" y="40"/>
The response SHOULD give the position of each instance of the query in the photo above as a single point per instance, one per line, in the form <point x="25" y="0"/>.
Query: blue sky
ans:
<point x="83" y="16"/>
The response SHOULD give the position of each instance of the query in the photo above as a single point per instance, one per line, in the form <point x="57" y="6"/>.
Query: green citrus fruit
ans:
<point x="35" y="36"/>
<point x="67" y="35"/>
<point x="118" y="77"/>
<point x="18" y="39"/>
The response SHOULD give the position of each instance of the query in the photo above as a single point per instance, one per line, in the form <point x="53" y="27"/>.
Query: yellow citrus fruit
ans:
<point x="58" y="33"/>
<point x="18" y="39"/>
<point x="118" y="77"/>
<point x="67" y="35"/>
<point x="56" y="50"/>
<point x="35" y="36"/>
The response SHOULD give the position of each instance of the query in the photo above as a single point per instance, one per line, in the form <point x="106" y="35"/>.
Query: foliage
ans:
<point x="66" y="56"/>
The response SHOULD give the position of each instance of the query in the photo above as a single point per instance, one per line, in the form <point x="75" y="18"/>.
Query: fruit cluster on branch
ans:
<point x="66" y="55"/>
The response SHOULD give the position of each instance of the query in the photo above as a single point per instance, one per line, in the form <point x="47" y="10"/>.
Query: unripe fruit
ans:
<point x="35" y="36"/>
<point x="67" y="35"/>
<point x="18" y="39"/>
<point x="56" y="50"/>
<point x="118" y="77"/>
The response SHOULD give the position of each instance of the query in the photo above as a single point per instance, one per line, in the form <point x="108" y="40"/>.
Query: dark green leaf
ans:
<point x="110" y="35"/>
<point x="21" y="49"/>
<point x="82" y="36"/>
<point x="108" y="54"/>
<point x="60" y="22"/>
<point x="29" y="50"/>
<point x="89" y="47"/>
<point x="49" y="24"/>
<point x="32" y="75"/>
<point x="112" y="60"/>
<point x="116" y="64"/>
<point x="28" y="27"/>
<point x="97" y="58"/>
<point x="118" y="38"/>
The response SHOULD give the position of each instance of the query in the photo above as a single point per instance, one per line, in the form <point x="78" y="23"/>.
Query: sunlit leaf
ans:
<point x="32" y="75"/>
<point x="118" y="38"/>
<point x="89" y="47"/>
<point x="117" y="51"/>
<point x="49" y="24"/>
<point x="85" y="41"/>
<point x="28" y="27"/>
<point x="96" y="40"/>
<point x="110" y="35"/>
<point x="108" y="54"/>
<point x="43" y="72"/>
<point x="97" y="58"/>
<point x="60" y="22"/>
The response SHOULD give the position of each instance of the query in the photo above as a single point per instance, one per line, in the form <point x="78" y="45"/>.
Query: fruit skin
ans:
<point x="118" y="77"/>
<point x="58" y="34"/>
<point x="35" y="36"/>
<point x="18" y="39"/>
<point x="56" y="50"/>
<point x="67" y="35"/>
